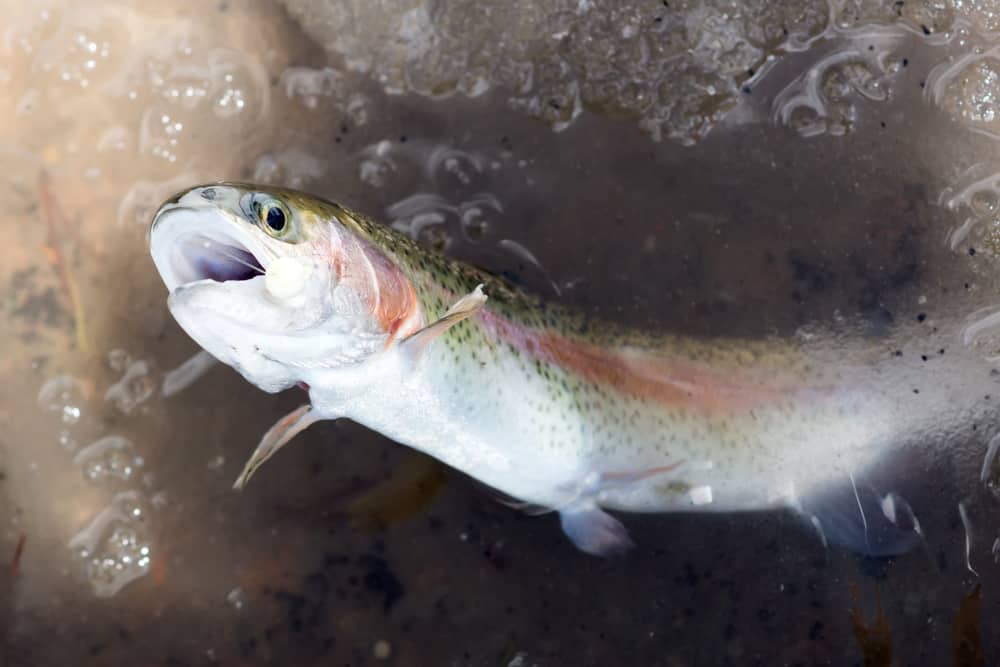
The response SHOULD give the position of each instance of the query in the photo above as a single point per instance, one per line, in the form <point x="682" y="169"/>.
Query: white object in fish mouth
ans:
<point x="286" y="278"/>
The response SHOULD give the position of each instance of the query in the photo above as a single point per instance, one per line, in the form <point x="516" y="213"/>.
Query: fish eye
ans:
<point x="272" y="215"/>
<point x="274" y="218"/>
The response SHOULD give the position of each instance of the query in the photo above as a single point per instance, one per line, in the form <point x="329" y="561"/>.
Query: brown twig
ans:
<point x="59" y="242"/>
<point x="15" y="563"/>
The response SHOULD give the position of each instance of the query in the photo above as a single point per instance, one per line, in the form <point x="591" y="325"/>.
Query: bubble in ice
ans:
<point x="309" y="86"/>
<point x="432" y="219"/>
<point x="112" y="458"/>
<point x="115" y="548"/>
<point x="968" y="90"/>
<point x="676" y="68"/>
<point x="436" y="237"/>
<point x="358" y="109"/>
<point x="145" y="197"/>
<point x="64" y="397"/>
<point x="984" y="14"/>
<point x="990" y="472"/>
<point x="448" y="199"/>
<point x="982" y="332"/>
<point x="477" y="214"/>
<point x="522" y="659"/>
<point x="923" y="17"/>
<point x="825" y="98"/>
<point x="290" y="167"/>
<point x="385" y="163"/>
<point x="230" y="85"/>
<point x="135" y="387"/>
<point x="975" y="196"/>
<point x="119" y="360"/>
<point x="236" y="598"/>
<point x="79" y="50"/>
<point x="559" y="107"/>
<point x="454" y="167"/>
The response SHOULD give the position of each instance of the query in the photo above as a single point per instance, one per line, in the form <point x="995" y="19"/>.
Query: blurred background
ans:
<point x="695" y="166"/>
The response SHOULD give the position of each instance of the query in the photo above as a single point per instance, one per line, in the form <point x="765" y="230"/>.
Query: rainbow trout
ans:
<point x="550" y="408"/>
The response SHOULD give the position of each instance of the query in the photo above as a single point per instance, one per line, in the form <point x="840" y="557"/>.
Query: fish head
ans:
<point x="219" y="249"/>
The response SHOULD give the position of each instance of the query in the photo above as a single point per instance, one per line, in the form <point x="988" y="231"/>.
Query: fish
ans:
<point x="554" y="410"/>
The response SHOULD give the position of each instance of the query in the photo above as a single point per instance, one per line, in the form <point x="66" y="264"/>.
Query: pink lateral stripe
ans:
<point x="634" y="372"/>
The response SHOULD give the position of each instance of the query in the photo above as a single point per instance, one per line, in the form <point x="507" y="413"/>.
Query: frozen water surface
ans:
<point x="706" y="167"/>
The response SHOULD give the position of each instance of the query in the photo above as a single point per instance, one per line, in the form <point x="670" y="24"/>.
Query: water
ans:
<point x="701" y="167"/>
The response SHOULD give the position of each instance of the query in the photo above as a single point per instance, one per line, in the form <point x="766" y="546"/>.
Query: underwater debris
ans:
<point x="15" y="562"/>
<point x="875" y="639"/>
<point x="59" y="249"/>
<point x="966" y="640"/>
<point x="410" y="488"/>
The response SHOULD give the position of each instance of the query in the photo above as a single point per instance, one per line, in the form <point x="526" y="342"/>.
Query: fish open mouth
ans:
<point x="201" y="257"/>
<point x="190" y="246"/>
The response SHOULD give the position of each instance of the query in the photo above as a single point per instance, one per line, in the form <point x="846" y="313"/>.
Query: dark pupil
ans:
<point x="275" y="218"/>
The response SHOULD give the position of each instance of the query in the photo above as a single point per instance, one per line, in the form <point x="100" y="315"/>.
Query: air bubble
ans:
<point x="119" y="360"/>
<point x="376" y="165"/>
<point x="435" y="237"/>
<point x="236" y="598"/>
<point x="476" y="214"/>
<point x="990" y="473"/>
<point x="63" y="397"/>
<point x="977" y="194"/>
<point x="115" y="549"/>
<point x="231" y="84"/>
<point x="453" y="167"/>
<point x="144" y="198"/>
<point x="929" y="16"/>
<point x="522" y="659"/>
<point x="358" y="109"/>
<point x="112" y="458"/>
<point x="824" y="99"/>
<point x="983" y="333"/>
<point x="968" y="89"/>
<point x="135" y="387"/>
<point x="308" y="85"/>
<point x="984" y="203"/>
<point x="674" y="70"/>
<point x="291" y="167"/>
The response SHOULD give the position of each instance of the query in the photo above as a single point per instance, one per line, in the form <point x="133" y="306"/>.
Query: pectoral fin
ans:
<point x="590" y="528"/>
<point x="594" y="531"/>
<point x="277" y="437"/>
<point x="462" y="309"/>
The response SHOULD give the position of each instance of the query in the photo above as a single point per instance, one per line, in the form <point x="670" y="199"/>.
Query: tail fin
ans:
<point x="855" y="516"/>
